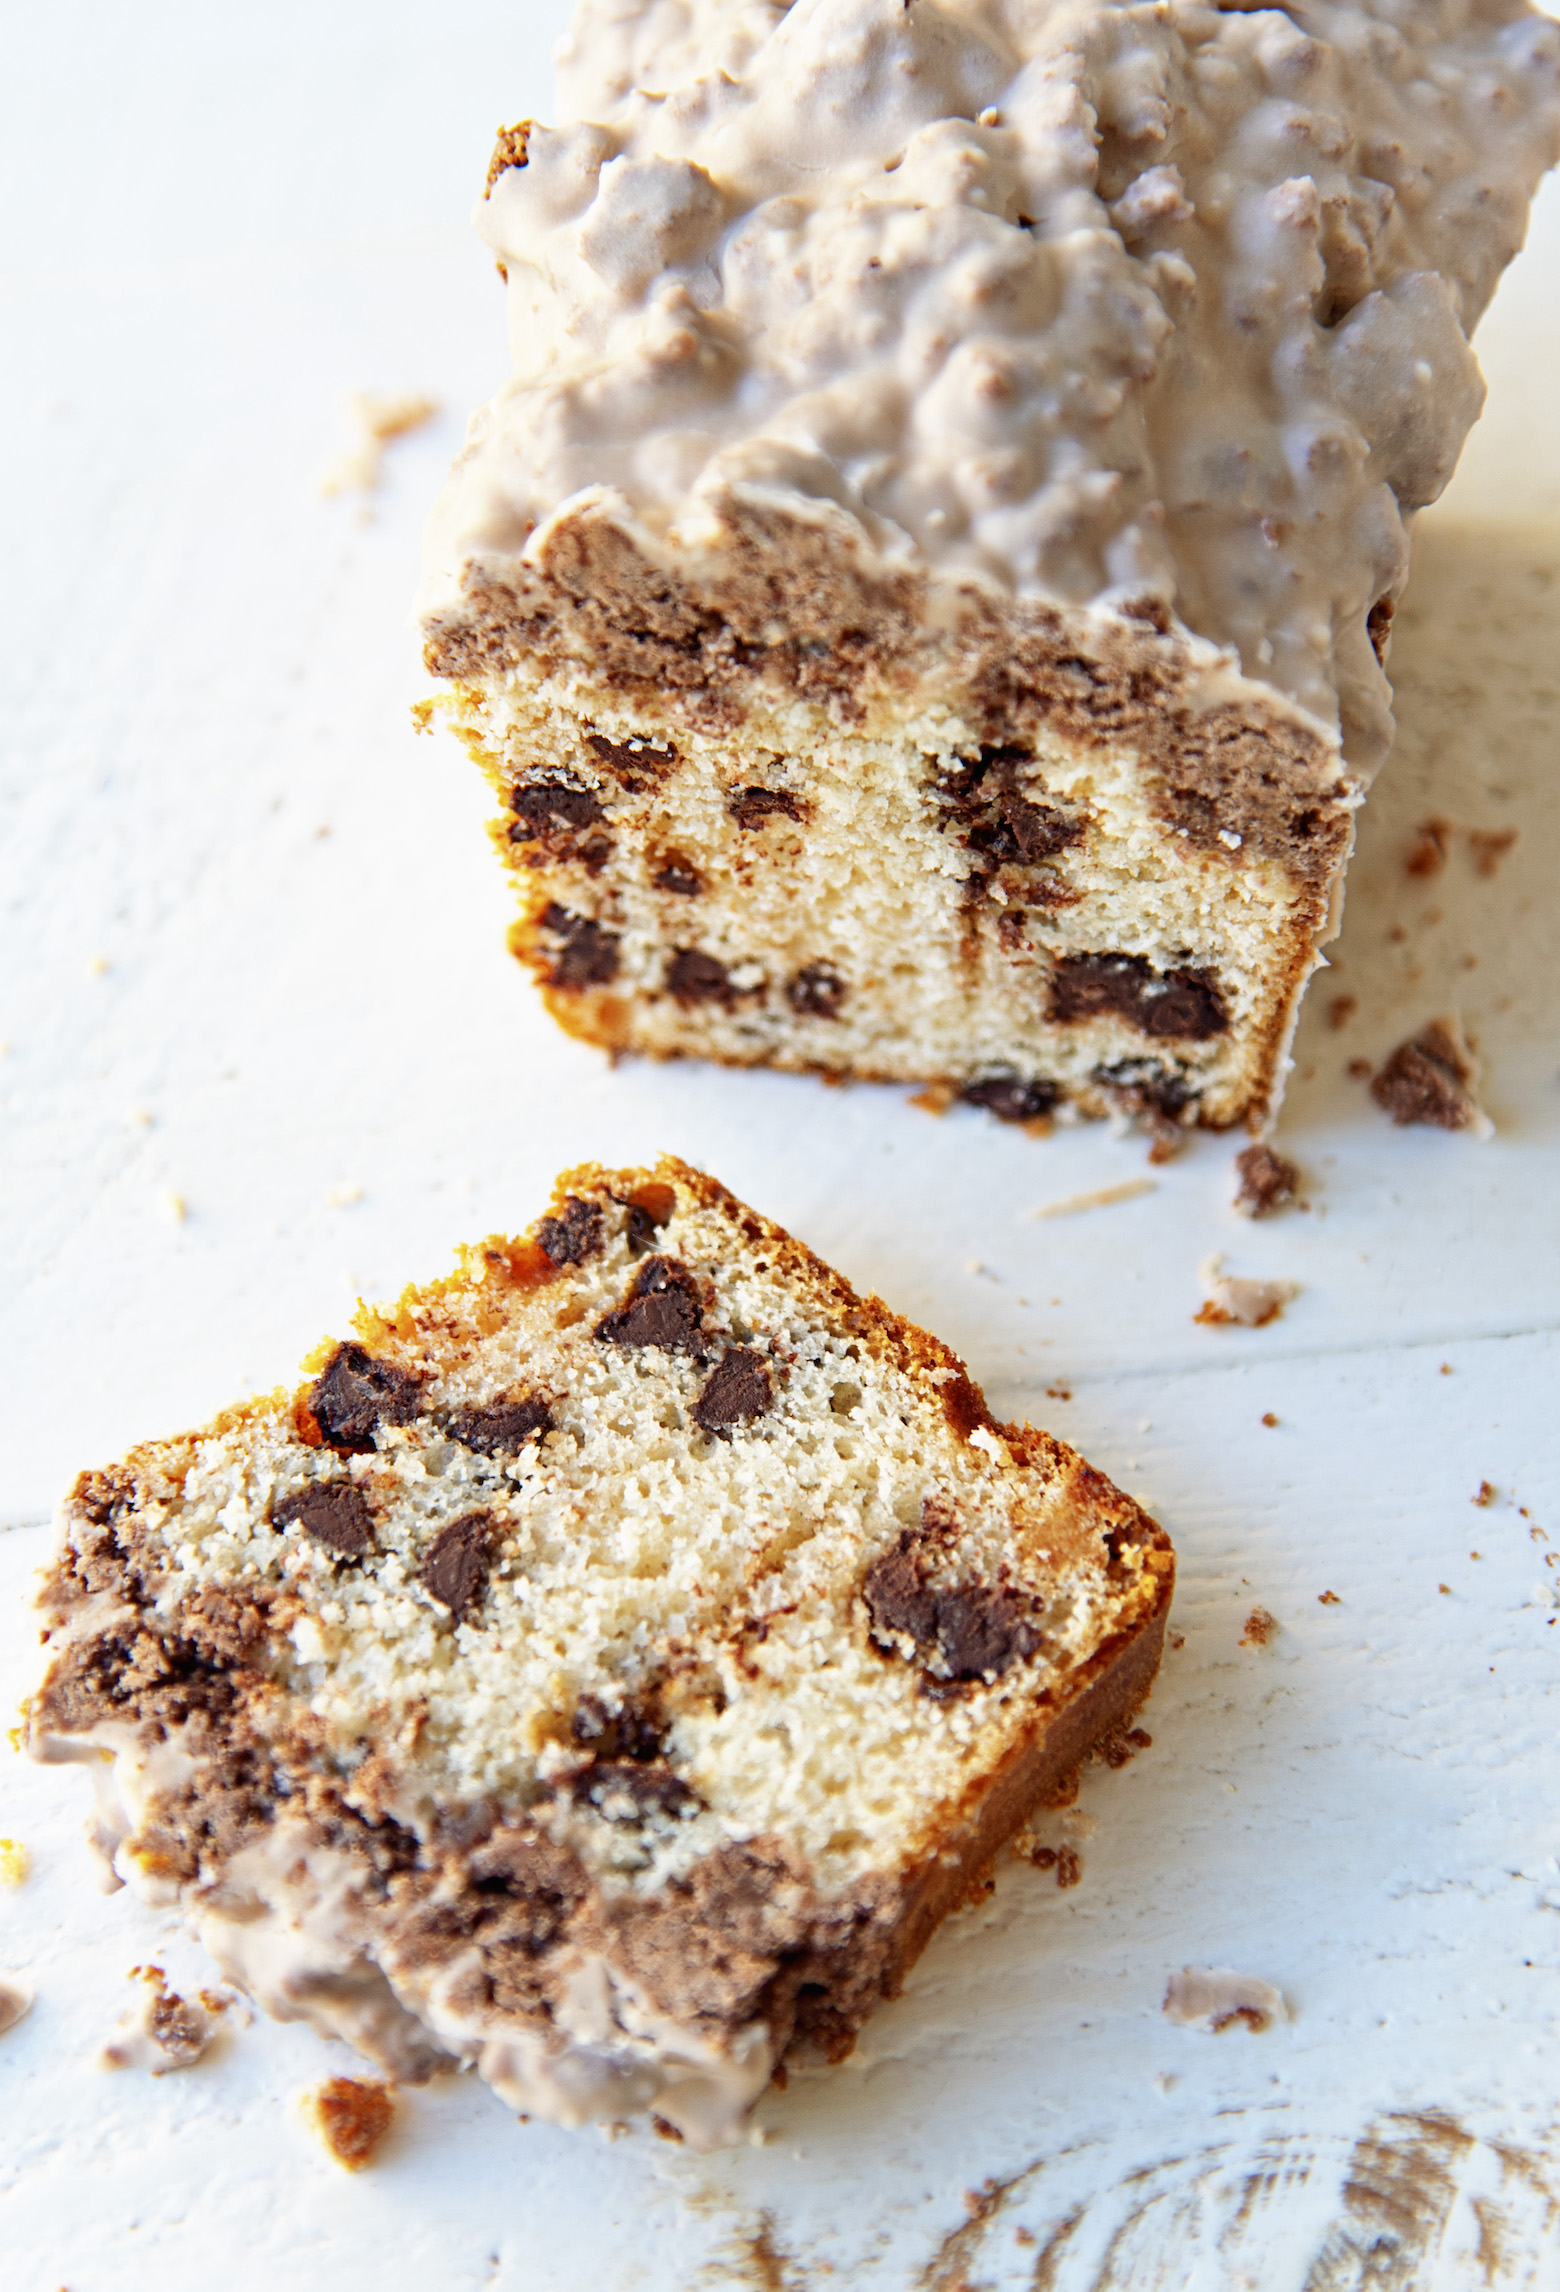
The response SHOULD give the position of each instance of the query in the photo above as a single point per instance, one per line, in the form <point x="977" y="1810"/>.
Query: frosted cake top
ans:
<point x="1082" y="301"/>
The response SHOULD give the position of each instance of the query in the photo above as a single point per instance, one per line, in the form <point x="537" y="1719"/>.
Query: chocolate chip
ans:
<point x="981" y="1631"/>
<point x="751" y="807"/>
<point x="635" y="763"/>
<point x="694" y="977"/>
<point x="455" y="1567"/>
<point x="559" y="815"/>
<point x="1039" y="830"/>
<point x="678" y="874"/>
<point x="354" y="1394"/>
<point x="1265" y="1181"/>
<point x="574" y="1237"/>
<point x="1010" y="1099"/>
<point x="816" y="992"/>
<point x="587" y="955"/>
<point x="333" y="1513"/>
<point x="1184" y="1002"/>
<point x="971" y="1631"/>
<point x="737" y="1390"/>
<point x="1189" y="1004"/>
<point x="504" y="1428"/>
<point x="897" y="1599"/>
<point x="540" y="804"/>
<point x="633" y="1731"/>
<point x="622" y="1790"/>
<point x="662" y="1308"/>
<point x="1003" y="824"/>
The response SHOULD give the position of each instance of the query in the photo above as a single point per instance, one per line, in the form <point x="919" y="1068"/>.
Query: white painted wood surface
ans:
<point x="216" y="227"/>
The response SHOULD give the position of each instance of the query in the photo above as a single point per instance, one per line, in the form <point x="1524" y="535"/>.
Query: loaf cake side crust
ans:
<point x="608" y="1669"/>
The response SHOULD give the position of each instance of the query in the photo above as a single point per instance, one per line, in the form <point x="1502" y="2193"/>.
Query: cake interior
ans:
<point x="1018" y="904"/>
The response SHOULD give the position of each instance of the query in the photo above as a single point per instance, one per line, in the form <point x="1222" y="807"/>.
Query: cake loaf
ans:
<point x="606" y="1670"/>
<point x="921" y="599"/>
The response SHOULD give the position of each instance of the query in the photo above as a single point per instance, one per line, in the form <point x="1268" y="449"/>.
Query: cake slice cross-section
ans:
<point x="921" y="601"/>
<point x="605" y="1671"/>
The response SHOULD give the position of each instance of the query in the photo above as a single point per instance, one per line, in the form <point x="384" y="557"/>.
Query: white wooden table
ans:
<point x="252" y="959"/>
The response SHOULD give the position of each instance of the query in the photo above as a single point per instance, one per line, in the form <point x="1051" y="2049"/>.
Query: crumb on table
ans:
<point x="1260" y="1627"/>
<point x="1430" y="1080"/>
<point x="352" y="2117"/>
<point x="1237" y="1302"/>
<point x="1265" y="1181"/>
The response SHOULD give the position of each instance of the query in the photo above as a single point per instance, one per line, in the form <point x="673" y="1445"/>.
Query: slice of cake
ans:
<point x="607" y="1670"/>
<point x="921" y="600"/>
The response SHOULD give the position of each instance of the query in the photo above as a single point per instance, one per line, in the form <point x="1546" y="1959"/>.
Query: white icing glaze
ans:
<point x="1081" y="300"/>
<point x="612" y="2054"/>
<point x="290" y="1924"/>
<point x="1212" y="1997"/>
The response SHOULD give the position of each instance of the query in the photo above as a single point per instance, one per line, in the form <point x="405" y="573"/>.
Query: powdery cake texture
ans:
<point x="607" y="1671"/>
<point x="921" y="599"/>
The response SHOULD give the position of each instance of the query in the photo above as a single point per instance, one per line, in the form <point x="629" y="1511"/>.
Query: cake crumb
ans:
<point x="936" y="1098"/>
<point x="1486" y="1493"/>
<point x="1260" y="1628"/>
<point x="1341" y="1010"/>
<point x="1446" y="1588"/>
<point x="1431" y="1079"/>
<point x="1329" y="1600"/>
<point x="162" y="2031"/>
<point x="16" y="1998"/>
<point x="1058" y="1393"/>
<point x="1489" y="847"/>
<point x="351" y="2117"/>
<point x="1215" y="1998"/>
<point x="1101" y="1198"/>
<point x="1269" y="1419"/>
<point x="14" y="1862"/>
<point x="1238" y="1302"/>
<point x="1426" y="855"/>
<point x="1124" y="1745"/>
<point x="1264" y="1182"/>
<point x="376" y="419"/>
